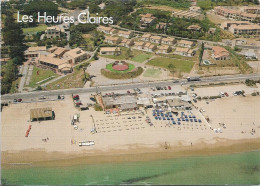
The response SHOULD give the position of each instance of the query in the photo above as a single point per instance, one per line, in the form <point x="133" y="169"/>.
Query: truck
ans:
<point x="193" y="79"/>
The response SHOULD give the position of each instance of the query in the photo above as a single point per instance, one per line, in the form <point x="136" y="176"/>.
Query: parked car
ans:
<point x="19" y="100"/>
<point x="76" y="97"/>
<point x="42" y="97"/>
<point x="169" y="87"/>
<point x="226" y="94"/>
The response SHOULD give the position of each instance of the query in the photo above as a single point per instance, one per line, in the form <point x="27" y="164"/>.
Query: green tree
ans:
<point x="171" y="67"/>
<point x="14" y="38"/>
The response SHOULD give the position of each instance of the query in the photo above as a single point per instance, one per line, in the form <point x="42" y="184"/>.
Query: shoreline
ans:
<point x="134" y="153"/>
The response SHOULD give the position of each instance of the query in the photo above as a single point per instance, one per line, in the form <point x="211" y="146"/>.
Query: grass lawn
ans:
<point x="34" y="29"/>
<point x="141" y="57"/>
<point x="181" y="65"/>
<point x="138" y="56"/>
<point x="154" y="73"/>
<point x="41" y="75"/>
<point x="130" y="67"/>
<point x="74" y="80"/>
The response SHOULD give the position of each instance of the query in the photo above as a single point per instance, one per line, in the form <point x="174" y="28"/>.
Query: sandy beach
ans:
<point x="121" y="139"/>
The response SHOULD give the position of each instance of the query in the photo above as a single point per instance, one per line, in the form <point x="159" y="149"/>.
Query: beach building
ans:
<point x="178" y="103"/>
<point x="34" y="52"/>
<point x="125" y="34"/>
<point x="110" y="51"/>
<point x="187" y="14"/>
<point x="139" y="45"/>
<point x="227" y="24"/>
<point x="127" y="43"/>
<point x="168" y="41"/>
<point x="39" y="114"/>
<point x="186" y="44"/>
<point x="59" y="51"/>
<point x="112" y="40"/>
<point x="212" y="30"/>
<point x="194" y="28"/>
<point x="184" y="52"/>
<point x="122" y="101"/>
<point x="146" y="37"/>
<point x="65" y="68"/>
<point x="104" y="29"/>
<point x="252" y="9"/>
<point x="250" y="54"/>
<point x="245" y="29"/>
<point x="161" y="26"/>
<point x="53" y="31"/>
<point x="156" y="39"/>
<point x="76" y="55"/>
<point x="147" y="20"/>
<point x="144" y="102"/>
<point x="195" y="9"/>
<point x="51" y="62"/>
<point x="220" y="53"/>
<point x="248" y="17"/>
<point x="164" y="49"/>
<point x="228" y="13"/>
<point x="52" y="49"/>
<point x="149" y="47"/>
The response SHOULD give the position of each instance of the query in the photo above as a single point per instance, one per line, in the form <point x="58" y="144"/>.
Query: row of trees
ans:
<point x="14" y="40"/>
<point x="209" y="4"/>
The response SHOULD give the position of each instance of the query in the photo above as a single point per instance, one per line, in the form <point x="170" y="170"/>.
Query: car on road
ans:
<point x="42" y="97"/>
<point x="128" y="92"/>
<point x="226" y="94"/>
<point x="15" y="100"/>
<point x="176" y="81"/>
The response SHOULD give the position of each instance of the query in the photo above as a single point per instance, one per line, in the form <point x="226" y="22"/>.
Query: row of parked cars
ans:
<point x="163" y="94"/>
<point x="161" y="88"/>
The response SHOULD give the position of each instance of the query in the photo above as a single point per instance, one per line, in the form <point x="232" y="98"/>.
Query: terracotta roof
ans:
<point x="185" y="42"/>
<point x="219" y="51"/>
<point x="178" y="49"/>
<point x="124" y="32"/>
<point x="75" y="52"/>
<point x="139" y="43"/>
<point x="168" y="39"/>
<point x="156" y="37"/>
<point x="64" y="66"/>
<point x="146" y="35"/>
<point x="59" y="51"/>
<point x="109" y="49"/>
<point x="246" y="27"/>
<point x="52" y="60"/>
<point x="148" y="15"/>
<point x="41" y="113"/>
<point x="249" y="15"/>
<point x="164" y="47"/>
<point x="38" y="48"/>
<point x="111" y="38"/>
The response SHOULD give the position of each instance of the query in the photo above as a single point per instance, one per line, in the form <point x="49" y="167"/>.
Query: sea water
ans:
<point x="241" y="168"/>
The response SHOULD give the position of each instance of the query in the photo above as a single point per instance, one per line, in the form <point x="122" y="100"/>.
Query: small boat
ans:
<point x="86" y="143"/>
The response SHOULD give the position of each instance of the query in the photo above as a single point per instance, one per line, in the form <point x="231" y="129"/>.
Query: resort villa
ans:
<point x="110" y="51"/>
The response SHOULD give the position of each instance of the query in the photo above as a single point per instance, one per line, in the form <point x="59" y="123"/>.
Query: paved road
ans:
<point x="22" y="81"/>
<point x="214" y="79"/>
